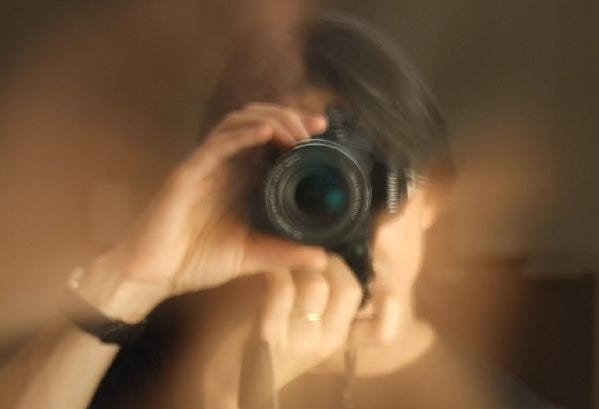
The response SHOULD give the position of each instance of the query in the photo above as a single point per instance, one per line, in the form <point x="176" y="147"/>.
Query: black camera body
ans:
<point x="327" y="191"/>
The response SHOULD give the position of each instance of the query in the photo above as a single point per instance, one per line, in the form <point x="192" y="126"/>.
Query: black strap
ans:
<point x="89" y="319"/>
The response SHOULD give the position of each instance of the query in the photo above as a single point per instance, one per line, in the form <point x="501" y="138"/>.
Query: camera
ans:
<point x="327" y="191"/>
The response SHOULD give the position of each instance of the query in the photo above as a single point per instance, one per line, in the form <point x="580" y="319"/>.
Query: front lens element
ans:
<point x="322" y="194"/>
<point x="318" y="193"/>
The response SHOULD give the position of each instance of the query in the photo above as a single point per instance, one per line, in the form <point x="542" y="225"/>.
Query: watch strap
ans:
<point x="92" y="321"/>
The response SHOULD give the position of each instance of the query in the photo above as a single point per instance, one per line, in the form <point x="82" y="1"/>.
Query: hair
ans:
<point x="371" y="74"/>
<point x="366" y="70"/>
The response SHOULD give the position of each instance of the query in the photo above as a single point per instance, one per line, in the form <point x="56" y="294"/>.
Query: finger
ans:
<point x="311" y="295"/>
<point x="215" y="151"/>
<point x="300" y="125"/>
<point x="316" y="124"/>
<point x="289" y="118"/>
<point x="264" y="252"/>
<point x="248" y="119"/>
<point x="280" y="296"/>
<point x="224" y="144"/>
<point x="380" y="327"/>
<point x="345" y="294"/>
<point x="312" y="291"/>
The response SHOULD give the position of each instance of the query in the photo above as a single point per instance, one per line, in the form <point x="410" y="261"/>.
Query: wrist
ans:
<point x="104" y="287"/>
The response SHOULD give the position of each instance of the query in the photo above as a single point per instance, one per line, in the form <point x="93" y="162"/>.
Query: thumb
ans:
<point x="264" y="252"/>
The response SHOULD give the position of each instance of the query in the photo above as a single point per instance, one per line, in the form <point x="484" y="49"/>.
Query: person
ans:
<point x="297" y="337"/>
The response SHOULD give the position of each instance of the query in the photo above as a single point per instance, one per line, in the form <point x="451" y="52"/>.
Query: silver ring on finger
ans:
<point x="309" y="316"/>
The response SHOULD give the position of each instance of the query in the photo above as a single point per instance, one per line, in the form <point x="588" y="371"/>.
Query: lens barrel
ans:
<point x="318" y="193"/>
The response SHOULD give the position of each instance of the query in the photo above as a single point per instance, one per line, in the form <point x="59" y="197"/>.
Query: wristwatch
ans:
<point x="89" y="319"/>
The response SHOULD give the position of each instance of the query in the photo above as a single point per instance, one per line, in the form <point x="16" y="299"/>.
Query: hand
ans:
<point x="309" y="316"/>
<point x="192" y="236"/>
<point x="225" y="322"/>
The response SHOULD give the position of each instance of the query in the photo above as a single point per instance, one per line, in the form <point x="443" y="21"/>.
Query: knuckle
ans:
<point x="312" y="285"/>
<point x="281" y="288"/>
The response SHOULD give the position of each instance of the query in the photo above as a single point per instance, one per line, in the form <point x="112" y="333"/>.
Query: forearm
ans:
<point x="60" y="368"/>
<point x="62" y="365"/>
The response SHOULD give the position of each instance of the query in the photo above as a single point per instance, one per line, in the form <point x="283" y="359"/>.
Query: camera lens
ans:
<point x="317" y="193"/>
<point x="322" y="194"/>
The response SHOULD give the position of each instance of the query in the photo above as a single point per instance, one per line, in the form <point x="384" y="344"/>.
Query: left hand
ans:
<point x="305" y="316"/>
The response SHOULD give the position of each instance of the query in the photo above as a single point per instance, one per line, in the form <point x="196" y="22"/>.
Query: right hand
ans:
<point x="272" y="306"/>
<point x="308" y="316"/>
<point x="192" y="235"/>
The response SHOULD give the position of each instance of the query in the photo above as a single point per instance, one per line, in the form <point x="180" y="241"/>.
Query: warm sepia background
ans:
<point x="99" y="101"/>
